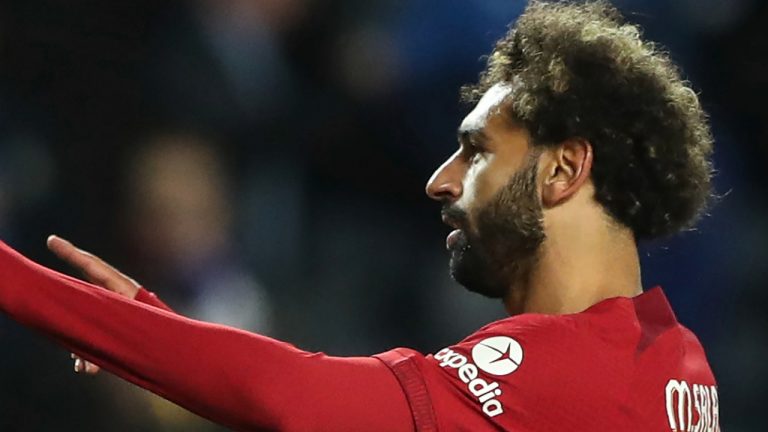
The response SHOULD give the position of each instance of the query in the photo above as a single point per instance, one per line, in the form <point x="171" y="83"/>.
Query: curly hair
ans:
<point x="578" y="70"/>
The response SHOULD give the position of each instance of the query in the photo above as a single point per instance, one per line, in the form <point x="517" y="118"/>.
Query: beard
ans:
<point x="502" y="246"/>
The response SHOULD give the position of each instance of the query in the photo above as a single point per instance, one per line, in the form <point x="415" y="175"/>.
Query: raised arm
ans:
<point x="241" y="380"/>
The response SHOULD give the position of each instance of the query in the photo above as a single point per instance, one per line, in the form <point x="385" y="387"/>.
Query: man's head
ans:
<point x="574" y="111"/>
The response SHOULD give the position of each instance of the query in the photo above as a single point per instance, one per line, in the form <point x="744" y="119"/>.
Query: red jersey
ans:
<point x="623" y="364"/>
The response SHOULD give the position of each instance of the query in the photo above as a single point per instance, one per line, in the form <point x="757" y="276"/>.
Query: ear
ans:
<point x="568" y="166"/>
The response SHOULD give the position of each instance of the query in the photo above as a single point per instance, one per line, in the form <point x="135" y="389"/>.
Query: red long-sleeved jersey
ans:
<point x="623" y="364"/>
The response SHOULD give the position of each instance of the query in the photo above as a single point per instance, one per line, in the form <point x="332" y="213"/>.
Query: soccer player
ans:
<point x="583" y="140"/>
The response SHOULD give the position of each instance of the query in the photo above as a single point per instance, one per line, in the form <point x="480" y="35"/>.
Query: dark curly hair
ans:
<point x="578" y="70"/>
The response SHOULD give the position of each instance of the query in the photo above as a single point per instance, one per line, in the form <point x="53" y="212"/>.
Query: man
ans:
<point x="583" y="140"/>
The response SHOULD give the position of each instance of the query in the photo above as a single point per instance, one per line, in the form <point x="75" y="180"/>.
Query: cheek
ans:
<point x="475" y="188"/>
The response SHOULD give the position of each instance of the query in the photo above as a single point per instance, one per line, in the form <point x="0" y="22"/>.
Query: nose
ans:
<point x="446" y="182"/>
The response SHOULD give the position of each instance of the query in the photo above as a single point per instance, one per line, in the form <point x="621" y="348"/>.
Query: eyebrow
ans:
<point x="471" y="136"/>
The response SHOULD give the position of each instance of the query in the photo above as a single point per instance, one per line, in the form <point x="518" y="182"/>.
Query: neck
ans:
<point x="576" y="268"/>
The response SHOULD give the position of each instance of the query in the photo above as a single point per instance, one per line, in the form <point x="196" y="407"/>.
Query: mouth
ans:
<point x="455" y="235"/>
<point x="450" y="221"/>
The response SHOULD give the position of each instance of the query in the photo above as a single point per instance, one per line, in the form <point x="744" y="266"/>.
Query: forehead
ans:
<point x="488" y="105"/>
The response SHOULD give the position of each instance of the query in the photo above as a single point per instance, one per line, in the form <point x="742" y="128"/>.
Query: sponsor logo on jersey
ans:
<point x="498" y="355"/>
<point x="682" y="399"/>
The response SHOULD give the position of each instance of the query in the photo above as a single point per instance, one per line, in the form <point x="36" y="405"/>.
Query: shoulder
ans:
<point x="514" y="364"/>
<point x="535" y="329"/>
<point x="522" y="344"/>
<point x="693" y="358"/>
<point x="519" y="347"/>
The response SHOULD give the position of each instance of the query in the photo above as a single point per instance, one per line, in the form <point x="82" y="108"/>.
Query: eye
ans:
<point x="476" y="156"/>
<point x="474" y="153"/>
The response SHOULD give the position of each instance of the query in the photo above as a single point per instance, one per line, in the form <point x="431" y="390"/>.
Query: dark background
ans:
<point x="261" y="163"/>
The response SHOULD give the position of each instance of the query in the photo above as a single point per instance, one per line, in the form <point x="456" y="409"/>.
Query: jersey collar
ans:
<point x="653" y="305"/>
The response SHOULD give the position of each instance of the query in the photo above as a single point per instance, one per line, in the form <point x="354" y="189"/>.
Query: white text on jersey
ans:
<point x="485" y="392"/>
<point x="681" y="401"/>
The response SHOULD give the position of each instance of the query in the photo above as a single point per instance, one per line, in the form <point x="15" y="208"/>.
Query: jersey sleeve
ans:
<point x="150" y="298"/>
<point x="241" y="380"/>
<point x="503" y="377"/>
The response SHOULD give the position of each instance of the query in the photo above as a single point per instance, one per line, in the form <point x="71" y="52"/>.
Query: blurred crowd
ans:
<point x="261" y="163"/>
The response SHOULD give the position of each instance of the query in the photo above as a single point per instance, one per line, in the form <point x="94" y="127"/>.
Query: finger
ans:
<point x="68" y="252"/>
<point x="84" y="365"/>
<point x="78" y="258"/>
<point x="91" y="369"/>
<point x="94" y="269"/>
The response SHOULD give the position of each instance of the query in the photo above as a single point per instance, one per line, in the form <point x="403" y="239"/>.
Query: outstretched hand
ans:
<point x="97" y="272"/>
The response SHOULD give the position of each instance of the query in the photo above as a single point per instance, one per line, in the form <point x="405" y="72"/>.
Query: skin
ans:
<point x="585" y="257"/>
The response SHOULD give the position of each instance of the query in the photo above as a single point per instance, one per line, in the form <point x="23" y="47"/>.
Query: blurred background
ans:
<point x="261" y="163"/>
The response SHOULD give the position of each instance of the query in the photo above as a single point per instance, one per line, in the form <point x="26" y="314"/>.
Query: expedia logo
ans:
<point x="498" y="355"/>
